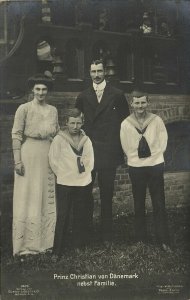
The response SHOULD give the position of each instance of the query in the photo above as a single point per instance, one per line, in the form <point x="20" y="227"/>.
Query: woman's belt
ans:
<point x="38" y="138"/>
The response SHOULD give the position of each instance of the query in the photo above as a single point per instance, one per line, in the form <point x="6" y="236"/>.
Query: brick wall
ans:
<point x="177" y="191"/>
<point x="177" y="184"/>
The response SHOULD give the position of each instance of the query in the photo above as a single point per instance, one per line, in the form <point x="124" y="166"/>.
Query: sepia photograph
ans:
<point x="95" y="149"/>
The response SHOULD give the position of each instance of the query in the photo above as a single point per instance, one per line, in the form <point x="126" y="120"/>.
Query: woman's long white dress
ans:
<point x="34" y="206"/>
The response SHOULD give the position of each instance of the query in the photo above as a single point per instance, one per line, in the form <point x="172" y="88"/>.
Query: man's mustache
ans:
<point x="97" y="77"/>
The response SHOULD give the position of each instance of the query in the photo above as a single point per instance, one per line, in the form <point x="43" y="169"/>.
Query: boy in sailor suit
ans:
<point x="71" y="158"/>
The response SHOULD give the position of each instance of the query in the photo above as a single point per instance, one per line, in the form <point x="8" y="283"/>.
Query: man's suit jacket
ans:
<point x="102" y="124"/>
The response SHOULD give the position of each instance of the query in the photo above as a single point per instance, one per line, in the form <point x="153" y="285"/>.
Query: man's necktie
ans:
<point x="99" y="94"/>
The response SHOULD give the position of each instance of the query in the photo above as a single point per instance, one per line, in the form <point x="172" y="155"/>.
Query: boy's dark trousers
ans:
<point x="151" y="177"/>
<point x="69" y="197"/>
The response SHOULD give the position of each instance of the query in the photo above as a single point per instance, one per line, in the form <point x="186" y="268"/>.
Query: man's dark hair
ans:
<point x="97" y="62"/>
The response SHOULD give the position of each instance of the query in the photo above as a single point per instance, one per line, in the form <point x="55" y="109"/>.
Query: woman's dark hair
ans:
<point x="40" y="79"/>
<point x="73" y="112"/>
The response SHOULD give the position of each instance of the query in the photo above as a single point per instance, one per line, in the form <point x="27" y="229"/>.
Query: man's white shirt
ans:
<point x="99" y="89"/>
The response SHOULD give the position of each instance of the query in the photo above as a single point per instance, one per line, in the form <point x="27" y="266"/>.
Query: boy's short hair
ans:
<point x="75" y="113"/>
<point x="138" y="94"/>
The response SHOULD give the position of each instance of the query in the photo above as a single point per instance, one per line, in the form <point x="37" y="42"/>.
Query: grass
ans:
<point x="161" y="275"/>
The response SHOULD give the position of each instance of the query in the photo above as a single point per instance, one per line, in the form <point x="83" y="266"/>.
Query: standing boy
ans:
<point x="144" y="141"/>
<point x="71" y="159"/>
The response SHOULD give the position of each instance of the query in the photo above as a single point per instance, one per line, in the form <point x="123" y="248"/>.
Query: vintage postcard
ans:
<point x="95" y="149"/>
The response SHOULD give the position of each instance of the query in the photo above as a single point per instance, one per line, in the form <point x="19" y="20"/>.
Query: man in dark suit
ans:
<point x="104" y="108"/>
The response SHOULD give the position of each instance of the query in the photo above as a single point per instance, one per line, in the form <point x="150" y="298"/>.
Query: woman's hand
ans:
<point x="19" y="168"/>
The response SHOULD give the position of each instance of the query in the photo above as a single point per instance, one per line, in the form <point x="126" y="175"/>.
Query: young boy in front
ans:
<point x="71" y="158"/>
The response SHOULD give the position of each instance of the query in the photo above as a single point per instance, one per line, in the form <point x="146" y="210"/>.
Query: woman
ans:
<point x="34" y="210"/>
<point x="144" y="140"/>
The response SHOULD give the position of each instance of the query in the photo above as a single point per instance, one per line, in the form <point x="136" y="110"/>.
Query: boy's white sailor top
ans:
<point x="63" y="160"/>
<point x="156" y="137"/>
